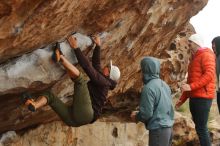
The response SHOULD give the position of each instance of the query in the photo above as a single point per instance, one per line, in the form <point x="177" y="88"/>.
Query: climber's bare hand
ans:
<point x="73" y="42"/>
<point x="97" y="40"/>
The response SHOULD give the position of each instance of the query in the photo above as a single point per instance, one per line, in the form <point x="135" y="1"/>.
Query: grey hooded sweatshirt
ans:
<point x="156" y="109"/>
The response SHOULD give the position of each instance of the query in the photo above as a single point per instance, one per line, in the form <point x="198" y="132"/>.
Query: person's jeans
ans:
<point x="160" y="137"/>
<point x="218" y="100"/>
<point x="81" y="111"/>
<point x="199" y="108"/>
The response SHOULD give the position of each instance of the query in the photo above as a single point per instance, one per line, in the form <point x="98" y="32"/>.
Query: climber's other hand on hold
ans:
<point x="96" y="40"/>
<point x="73" y="42"/>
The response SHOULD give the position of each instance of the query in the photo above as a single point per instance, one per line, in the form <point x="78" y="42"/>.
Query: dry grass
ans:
<point x="184" y="109"/>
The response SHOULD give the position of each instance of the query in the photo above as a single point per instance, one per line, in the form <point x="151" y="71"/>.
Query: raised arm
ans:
<point x="96" y="53"/>
<point x="85" y="63"/>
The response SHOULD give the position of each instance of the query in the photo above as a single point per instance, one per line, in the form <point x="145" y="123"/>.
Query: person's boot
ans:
<point x="56" y="52"/>
<point x="28" y="100"/>
<point x="32" y="104"/>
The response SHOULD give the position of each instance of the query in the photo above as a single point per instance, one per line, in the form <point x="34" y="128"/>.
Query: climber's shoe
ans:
<point x="25" y="96"/>
<point x="56" y="52"/>
<point x="28" y="100"/>
<point x="31" y="105"/>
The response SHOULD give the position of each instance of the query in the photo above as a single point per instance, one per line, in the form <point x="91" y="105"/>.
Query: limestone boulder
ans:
<point x="134" y="28"/>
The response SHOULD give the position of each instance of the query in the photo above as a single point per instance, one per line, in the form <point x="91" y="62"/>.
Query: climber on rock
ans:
<point x="89" y="96"/>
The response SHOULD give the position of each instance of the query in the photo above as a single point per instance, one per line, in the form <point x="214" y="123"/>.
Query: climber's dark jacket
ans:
<point x="98" y="85"/>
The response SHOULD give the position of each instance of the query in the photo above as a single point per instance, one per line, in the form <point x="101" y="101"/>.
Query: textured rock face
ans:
<point x="27" y="25"/>
<point x="136" y="28"/>
<point x="100" y="134"/>
<point x="36" y="70"/>
<point x="97" y="134"/>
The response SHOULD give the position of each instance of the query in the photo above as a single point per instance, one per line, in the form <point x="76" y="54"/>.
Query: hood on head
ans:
<point x="150" y="68"/>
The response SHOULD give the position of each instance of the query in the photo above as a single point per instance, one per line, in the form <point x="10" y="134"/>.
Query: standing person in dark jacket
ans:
<point x="89" y="96"/>
<point x="216" y="49"/>
<point x="156" y="109"/>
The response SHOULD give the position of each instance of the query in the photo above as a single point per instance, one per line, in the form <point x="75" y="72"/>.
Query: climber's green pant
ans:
<point x="81" y="111"/>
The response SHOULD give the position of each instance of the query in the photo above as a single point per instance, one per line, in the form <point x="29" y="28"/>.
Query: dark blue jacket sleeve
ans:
<point x="92" y="73"/>
<point x="96" y="58"/>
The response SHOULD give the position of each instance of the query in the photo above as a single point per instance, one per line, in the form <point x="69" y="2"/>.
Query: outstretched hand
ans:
<point x="73" y="42"/>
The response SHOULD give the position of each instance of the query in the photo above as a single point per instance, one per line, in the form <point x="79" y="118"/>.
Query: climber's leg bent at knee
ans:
<point x="81" y="108"/>
<point x="79" y="113"/>
<point x="62" y="110"/>
<point x="82" y="105"/>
